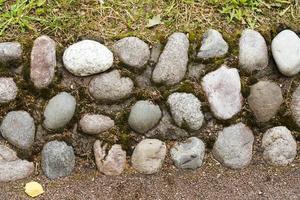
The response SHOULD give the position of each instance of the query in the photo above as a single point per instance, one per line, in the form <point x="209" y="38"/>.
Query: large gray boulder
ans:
<point x="8" y="90"/>
<point x="188" y="154"/>
<point x="110" y="86"/>
<point x="295" y="106"/>
<point x="186" y="110"/>
<point x="87" y="57"/>
<point x="286" y="52"/>
<point x="59" y="111"/>
<point x="18" y="129"/>
<point x="94" y="124"/>
<point x="144" y="115"/>
<point x="233" y="147"/>
<point x="223" y="90"/>
<point x="148" y="156"/>
<point x="58" y="159"/>
<point x="264" y="100"/>
<point x="11" y="167"/>
<point x="172" y="63"/>
<point x="10" y="53"/>
<point x="213" y="45"/>
<point x="253" y="51"/>
<point x="112" y="163"/>
<point x="43" y="61"/>
<point x="279" y="146"/>
<point x="132" y="51"/>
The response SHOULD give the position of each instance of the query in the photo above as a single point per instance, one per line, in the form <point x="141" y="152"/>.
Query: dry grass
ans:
<point x="68" y="20"/>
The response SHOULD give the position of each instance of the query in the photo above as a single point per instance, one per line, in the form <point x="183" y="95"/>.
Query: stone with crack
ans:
<point x="112" y="163"/>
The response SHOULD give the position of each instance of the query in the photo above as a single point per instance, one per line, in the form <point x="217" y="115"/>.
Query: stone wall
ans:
<point x="133" y="99"/>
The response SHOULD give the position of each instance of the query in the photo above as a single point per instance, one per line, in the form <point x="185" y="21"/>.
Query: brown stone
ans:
<point x="43" y="61"/>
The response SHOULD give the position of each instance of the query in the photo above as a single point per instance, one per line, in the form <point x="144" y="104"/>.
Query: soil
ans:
<point x="211" y="181"/>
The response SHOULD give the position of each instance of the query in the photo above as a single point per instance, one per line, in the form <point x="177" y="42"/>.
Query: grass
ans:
<point x="67" y="20"/>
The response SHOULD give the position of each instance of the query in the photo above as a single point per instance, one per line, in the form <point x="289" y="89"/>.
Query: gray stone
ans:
<point x="172" y="63"/>
<point x="279" y="146"/>
<point x="8" y="90"/>
<point x="94" y="124"/>
<point x="295" y="106"/>
<point x="87" y="57"/>
<point x="188" y="154"/>
<point x="111" y="164"/>
<point x="110" y="86"/>
<point x="132" y="51"/>
<point x="59" y="111"/>
<point x="144" y="80"/>
<point x="253" y="53"/>
<point x="286" y="52"/>
<point x="264" y="100"/>
<point x="186" y="110"/>
<point x="15" y="170"/>
<point x="58" y="159"/>
<point x="195" y="71"/>
<point x="11" y="167"/>
<point x="155" y="53"/>
<point x="166" y="130"/>
<point x="10" y="53"/>
<point x="144" y="115"/>
<point x="213" y="45"/>
<point x="233" y="147"/>
<point x="223" y="90"/>
<point x="43" y="61"/>
<point x="7" y="154"/>
<point x="148" y="156"/>
<point x="18" y="129"/>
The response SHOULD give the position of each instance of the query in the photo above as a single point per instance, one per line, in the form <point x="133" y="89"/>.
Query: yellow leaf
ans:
<point x="34" y="189"/>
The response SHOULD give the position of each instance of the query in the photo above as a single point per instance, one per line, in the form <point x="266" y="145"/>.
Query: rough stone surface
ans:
<point x="148" y="156"/>
<point x="195" y="71"/>
<point x="18" y="128"/>
<point x="110" y="86"/>
<point x="111" y="164"/>
<point x="58" y="159"/>
<point x="186" y="110"/>
<point x="155" y="53"/>
<point x="43" y="61"/>
<point x="144" y="80"/>
<point x="132" y="51"/>
<point x="59" y="111"/>
<point x="188" y="154"/>
<point x="8" y="90"/>
<point x="280" y="148"/>
<point x="286" y="52"/>
<point x="264" y="100"/>
<point x="144" y="115"/>
<point x="233" y="147"/>
<point x="172" y="63"/>
<point x="7" y="154"/>
<point x="95" y="124"/>
<point x="213" y="45"/>
<point x="11" y="167"/>
<point x="253" y="53"/>
<point x="295" y="106"/>
<point x="87" y="57"/>
<point x="10" y="53"/>
<point x="166" y="130"/>
<point x="223" y="90"/>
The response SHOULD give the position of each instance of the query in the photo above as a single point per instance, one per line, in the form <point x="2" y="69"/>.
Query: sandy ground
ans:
<point x="211" y="181"/>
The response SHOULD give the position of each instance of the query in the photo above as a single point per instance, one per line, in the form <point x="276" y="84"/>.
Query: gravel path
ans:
<point x="211" y="181"/>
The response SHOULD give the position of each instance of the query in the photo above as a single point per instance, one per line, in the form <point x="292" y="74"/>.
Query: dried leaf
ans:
<point x="156" y="20"/>
<point x="33" y="189"/>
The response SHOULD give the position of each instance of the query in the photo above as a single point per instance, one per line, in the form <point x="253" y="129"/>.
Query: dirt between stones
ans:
<point x="211" y="181"/>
